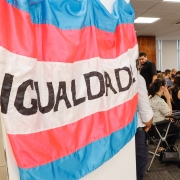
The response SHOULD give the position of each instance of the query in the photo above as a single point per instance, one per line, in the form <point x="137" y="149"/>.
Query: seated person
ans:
<point x="176" y="92"/>
<point x="160" y="75"/>
<point x="173" y="73"/>
<point x="178" y="72"/>
<point x="162" y="108"/>
<point x="168" y="77"/>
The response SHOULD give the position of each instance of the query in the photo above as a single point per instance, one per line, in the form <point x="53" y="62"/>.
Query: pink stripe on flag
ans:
<point x="20" y="36"/>
<point x="39" y="148"/>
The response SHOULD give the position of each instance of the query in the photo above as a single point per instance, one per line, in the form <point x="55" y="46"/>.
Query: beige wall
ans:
<point x="169" y="55"/>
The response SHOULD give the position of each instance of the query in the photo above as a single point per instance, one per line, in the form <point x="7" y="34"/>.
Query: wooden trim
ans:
<point x="147" y="44"/>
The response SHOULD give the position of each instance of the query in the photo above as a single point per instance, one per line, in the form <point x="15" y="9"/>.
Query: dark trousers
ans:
<point x="141" y="154"/>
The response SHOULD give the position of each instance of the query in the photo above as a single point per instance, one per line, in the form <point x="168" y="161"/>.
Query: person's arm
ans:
<point x="179" y="94"/>
<point x="168" y="100"/>
<point x="153" y="71"/>
<point x="144" y="108"/>
<point x="154" y="77"/>
<point x="148" y="125"/>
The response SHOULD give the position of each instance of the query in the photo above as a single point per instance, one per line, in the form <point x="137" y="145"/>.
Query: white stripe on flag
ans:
<point x="24" y="68"/>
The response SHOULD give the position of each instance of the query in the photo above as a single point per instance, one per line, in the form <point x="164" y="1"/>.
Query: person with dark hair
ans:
<point x="168" y="77"/>
<point x="147" y="70"/>
<point x="161" y="108"/>
<point x="178" y="72"/>
<point x="176" y="92"/>
<point x="158" y="71"/>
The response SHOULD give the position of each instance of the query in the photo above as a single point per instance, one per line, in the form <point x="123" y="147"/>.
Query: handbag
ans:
<point x="170" y="154"/>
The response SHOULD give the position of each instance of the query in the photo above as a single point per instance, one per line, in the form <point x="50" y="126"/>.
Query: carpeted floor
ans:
<point x="162" y="171"/>
<point x="171" y="174"/>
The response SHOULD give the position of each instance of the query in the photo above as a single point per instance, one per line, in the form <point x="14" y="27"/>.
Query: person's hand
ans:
<point x="171" y="119"/>
<point x="146" y="128"/>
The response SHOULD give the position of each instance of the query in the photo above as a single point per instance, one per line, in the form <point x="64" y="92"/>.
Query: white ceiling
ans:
<point x="165" y="28"/>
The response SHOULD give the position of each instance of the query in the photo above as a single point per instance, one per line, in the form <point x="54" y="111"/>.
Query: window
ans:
<point x="178" y="54"/>
<point x="159" y="60"/>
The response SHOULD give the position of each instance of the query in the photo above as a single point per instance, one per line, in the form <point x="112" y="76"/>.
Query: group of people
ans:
<point x="156" y="93"/>
<point x="173" y="84"/>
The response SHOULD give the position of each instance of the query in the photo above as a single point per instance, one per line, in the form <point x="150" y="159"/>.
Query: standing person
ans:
<point x="148" y="69"/>
<point x="168" y="77"/>
<point x="145" y="115"/>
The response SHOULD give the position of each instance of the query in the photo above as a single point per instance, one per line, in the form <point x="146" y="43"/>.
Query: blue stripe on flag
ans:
<point x="83" y="161"/>
<point x="71" y="14"/>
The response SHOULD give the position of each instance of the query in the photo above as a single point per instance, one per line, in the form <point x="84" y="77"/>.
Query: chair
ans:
<point x="176" y="116"/>
<point x="160" y="131"/>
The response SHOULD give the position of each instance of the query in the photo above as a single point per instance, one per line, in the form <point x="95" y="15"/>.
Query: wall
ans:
<point x="169" y="55"/>
<point x="121" y="166"/>
<point x="166" y="55"/>
<point x="163" y="54"/>
<point x="147" y="44"/>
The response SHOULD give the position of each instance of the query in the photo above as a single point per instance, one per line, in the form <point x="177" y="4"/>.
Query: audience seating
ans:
<point x="160" y="132"/>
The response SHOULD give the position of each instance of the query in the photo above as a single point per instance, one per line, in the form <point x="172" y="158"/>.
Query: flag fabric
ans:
<point x="68" y="84"/>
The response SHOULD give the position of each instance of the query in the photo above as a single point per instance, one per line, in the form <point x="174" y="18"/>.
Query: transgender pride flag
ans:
<point x="68" y="84"/>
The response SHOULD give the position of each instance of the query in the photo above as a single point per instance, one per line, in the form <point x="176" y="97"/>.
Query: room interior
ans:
<point x="166" y="28"/>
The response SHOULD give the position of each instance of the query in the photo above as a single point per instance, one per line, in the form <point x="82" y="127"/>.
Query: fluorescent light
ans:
<point x="172" y="0"/>
<point x="145" y="20"/>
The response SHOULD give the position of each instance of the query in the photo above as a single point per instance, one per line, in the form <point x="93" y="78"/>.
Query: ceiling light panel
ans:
<point x="172" y="0"/>
<point x="146" y="20"/>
